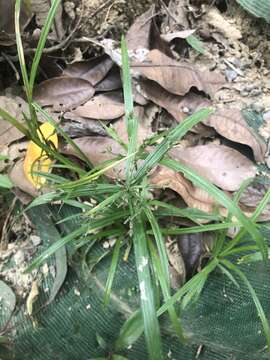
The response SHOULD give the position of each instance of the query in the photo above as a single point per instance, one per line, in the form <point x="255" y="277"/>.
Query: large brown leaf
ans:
<point x="63" y="93"/>
<point x="221" y="165"/>
<point x="178" y="106"/>
<point x="177" y="78"/>
<point x="93" y="70"/>
<point x="138" y="36"/>
<point x="231" y="124"/>
<point x="193" y="196"/>
<point x="107" y="106"/>
<point x="111" y="82"/>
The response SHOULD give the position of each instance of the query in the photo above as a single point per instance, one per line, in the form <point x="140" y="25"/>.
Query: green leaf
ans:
<point x="130" y="331"/>
<point x="223" y="199"/>
<point x="151" y="325"/>
<point x="257" y="8"/>
<point x="195" y="43"/>
<point x="131" y="121"/>
<point x="5" y="182"/>
<point x="112" y="271"/>
<point x="174" y="135"/>
<point x="166" y="291"/>
<point x="101" y="342"/>
<point x="160" y="244"/>
<point x="119" y="357"/>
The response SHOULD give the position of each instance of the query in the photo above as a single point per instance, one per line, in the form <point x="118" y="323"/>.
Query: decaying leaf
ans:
<point x="63" y="93"/>
<point x="93" y="70"/>
<point x="18" y="178"/>
<point x="32" y="297"/>
<point x="220" y="164"/>
<point x="8" y="133"/>
<point x="107" y="106"/>
<point x="193" y="196"/>
<point x="231" y="124"/>
<point x="177" y="35"/>
<point x="138" y="36"/>
<point x="76" y="126"/>
<point x="252" y="196"/>
<point x="177" y="78"/>
<point x="41" y="8"/>
<point x="111" y="82"/>
<point x="36" y="160"/>
<point x="177" y="264"/>
<point x="178" y="106"/>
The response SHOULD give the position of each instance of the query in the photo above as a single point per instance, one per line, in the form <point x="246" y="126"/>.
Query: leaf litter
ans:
<point x="89" y="92"/>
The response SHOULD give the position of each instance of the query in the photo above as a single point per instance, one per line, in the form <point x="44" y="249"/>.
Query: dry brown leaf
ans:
<point x="99" y="149"/>
<point x="178" y="106"/>
<point x="93" y="70"/>
<point x="8" y="133"/>
<point x="76" y="126"/>
<point x="219" y="164"/>
<point x="177" y="78"/>
<point x="41" y="8"/>
<point x="19" y="179"/>
<point x="63" y="93"/>
<point x="138" y="36"/>
<point x="107" y="106"/>
<point x="252" y="196"/>
<point x="111" y="82"/>
<point x="231" y="124"/>
<point x="177" y="35"/>
<point x="193" y="196"/>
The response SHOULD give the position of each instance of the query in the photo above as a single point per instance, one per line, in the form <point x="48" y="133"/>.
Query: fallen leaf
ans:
<point x="178" y="106"/>
<point x="63" y="93"/>
<point x="76" y="126"/>
<point x="36" y="160"/>
<point x="41" y="8"/>
<point x="111" y="82"/>
<point x="252" y="196"/>
<point x="99" y="149"/>
<point x="193" y="196"/>
<point x="93" y="70"/>
<point x="177" y="35"/>
<point x="32" y="297"/>
<point x="219" y="164"/>
<point x="18" y="178"/>
<point x="177" y="264"/>
<point x="15" y="107"/>
<point x="177" y="78"/>
<point x="107" y="106"/>
<point x="231" y="124"/>
<point x="138" y="36"/>
<point x="8" y="303"/>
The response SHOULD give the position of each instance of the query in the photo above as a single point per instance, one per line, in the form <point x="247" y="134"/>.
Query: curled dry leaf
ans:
<point x="177" y="78"/>
<point x="177" y="35"/>
<point x="231" y="124"/>
<point x="41" y="8"/>
<point x="193" y="196"/>
<point x="138" y="36"/>
<point x="177" y="106"/>
<point x="63" y="92"/>
<point x="107" y="106"/>
<point x="15" y="107"/>
<point x="252" y="196"/>
<point x="93" y="70"/>
<point x="111" y="82"/>
<point x="220" y="164"/>
<point x="76" y="126"/>
<point x="17" y="176"/>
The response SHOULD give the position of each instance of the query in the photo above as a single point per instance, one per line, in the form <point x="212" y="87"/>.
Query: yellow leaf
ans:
<point x="36" y="159"/>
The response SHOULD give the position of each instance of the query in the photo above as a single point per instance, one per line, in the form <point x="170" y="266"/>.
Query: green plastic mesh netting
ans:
<point x="223" y="322"/>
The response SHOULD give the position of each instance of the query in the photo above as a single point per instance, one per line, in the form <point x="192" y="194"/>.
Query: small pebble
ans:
<point x="244" y="93"/>
<point x="257" y="107"/>
<point x="230" y="75"/>
<point x="266" y="116"/>
<point x="255" y="92"/>
<point x="35" y="240"/>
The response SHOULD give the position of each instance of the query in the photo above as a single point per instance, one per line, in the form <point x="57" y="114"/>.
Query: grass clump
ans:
<point x="126" y="211"/>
